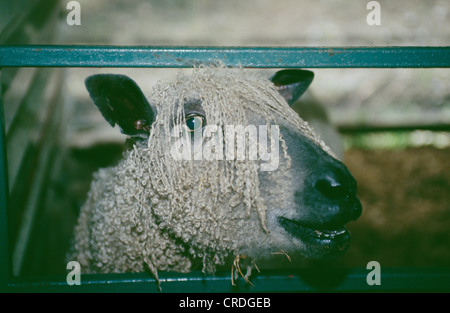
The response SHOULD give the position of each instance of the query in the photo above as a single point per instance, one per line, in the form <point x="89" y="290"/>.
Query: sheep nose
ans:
<point x="337" y="185"/>
<point x="334" y="188"/>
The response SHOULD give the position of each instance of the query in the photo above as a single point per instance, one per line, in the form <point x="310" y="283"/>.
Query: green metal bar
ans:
<point x="5" y="262"/>
<point x="249" y="57"/>
<point x="338" y="280"/>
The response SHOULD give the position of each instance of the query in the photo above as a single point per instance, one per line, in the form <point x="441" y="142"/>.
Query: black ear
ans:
<point x="121" y="102"/>
<point x="292" y="84"/>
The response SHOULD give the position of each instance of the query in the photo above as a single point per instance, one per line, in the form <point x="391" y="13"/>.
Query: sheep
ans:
<point x="166" y="206"/>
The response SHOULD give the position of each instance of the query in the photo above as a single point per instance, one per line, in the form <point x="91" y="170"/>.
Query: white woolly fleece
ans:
<point x="165" y="214"/>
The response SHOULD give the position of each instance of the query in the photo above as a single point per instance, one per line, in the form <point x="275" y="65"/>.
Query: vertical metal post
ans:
<point x="5" y="264"/>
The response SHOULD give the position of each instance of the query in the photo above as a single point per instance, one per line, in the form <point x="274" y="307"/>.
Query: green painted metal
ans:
<point x="249" y="57"/>
<point x="304" y="280"/>
<point x="5" y="264"/>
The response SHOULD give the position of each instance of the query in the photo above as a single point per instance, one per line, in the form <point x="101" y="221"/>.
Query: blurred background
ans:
<point x="390" y="126"/>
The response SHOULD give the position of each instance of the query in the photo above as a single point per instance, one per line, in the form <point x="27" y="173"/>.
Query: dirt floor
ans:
<point x="406" y="200"/>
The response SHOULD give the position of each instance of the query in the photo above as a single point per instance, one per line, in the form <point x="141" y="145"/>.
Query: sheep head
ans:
<point x="221" y="166"/>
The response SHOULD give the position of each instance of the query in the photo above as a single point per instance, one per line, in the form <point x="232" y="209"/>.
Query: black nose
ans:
<point x="334" y="188"/>
<point x="338" y="187"/>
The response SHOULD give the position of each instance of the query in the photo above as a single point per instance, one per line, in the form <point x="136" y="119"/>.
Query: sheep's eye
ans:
<point x="195" y="122"/>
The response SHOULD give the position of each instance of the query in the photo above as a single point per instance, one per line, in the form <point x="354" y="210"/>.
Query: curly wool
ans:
<point x="154" y="211"/>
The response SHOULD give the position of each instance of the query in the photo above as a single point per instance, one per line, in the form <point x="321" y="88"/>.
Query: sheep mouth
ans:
<point x="336" y="240"/>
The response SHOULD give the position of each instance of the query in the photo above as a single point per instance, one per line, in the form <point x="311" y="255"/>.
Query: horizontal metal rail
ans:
<point x="349" y="128"/>
<point x="248" y="57"/>
<point x="337" y="280"/>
